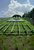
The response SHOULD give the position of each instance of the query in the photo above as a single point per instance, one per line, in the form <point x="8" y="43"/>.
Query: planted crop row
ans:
<point x="20" y="28"/>
<point x="10" y="27"/>
<point x="6" y="28"/>
<point x="30" y="29"/>
<point x="15" y="28"/>
<point x="2" y="26"/>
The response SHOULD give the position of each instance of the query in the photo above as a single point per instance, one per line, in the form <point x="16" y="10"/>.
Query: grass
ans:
<point x="20" y="42"/>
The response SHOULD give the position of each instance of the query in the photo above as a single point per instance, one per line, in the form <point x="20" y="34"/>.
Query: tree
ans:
<point x="16" y="16"/>
<point x="30" y="15"/>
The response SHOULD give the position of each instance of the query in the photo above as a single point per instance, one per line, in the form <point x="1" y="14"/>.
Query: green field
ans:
<point x="16" y="35"/>
<point x="16" y="28"/>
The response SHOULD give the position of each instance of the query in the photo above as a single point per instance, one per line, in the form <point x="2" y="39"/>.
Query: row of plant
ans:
<point x="31" y="27"/>
<point x="16" y="27"/>
<point x="2" y="26"/>
<point x="21" y="30"/>
<point x="10" y="27"/>
<point x="6" y="28"/>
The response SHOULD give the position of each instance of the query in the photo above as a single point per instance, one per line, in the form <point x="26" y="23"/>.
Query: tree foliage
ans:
<point x="16" y="16"/>
<point x="30" y="15"/>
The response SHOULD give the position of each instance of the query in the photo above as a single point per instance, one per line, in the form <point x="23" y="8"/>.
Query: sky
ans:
<point x="10" y="7"/>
